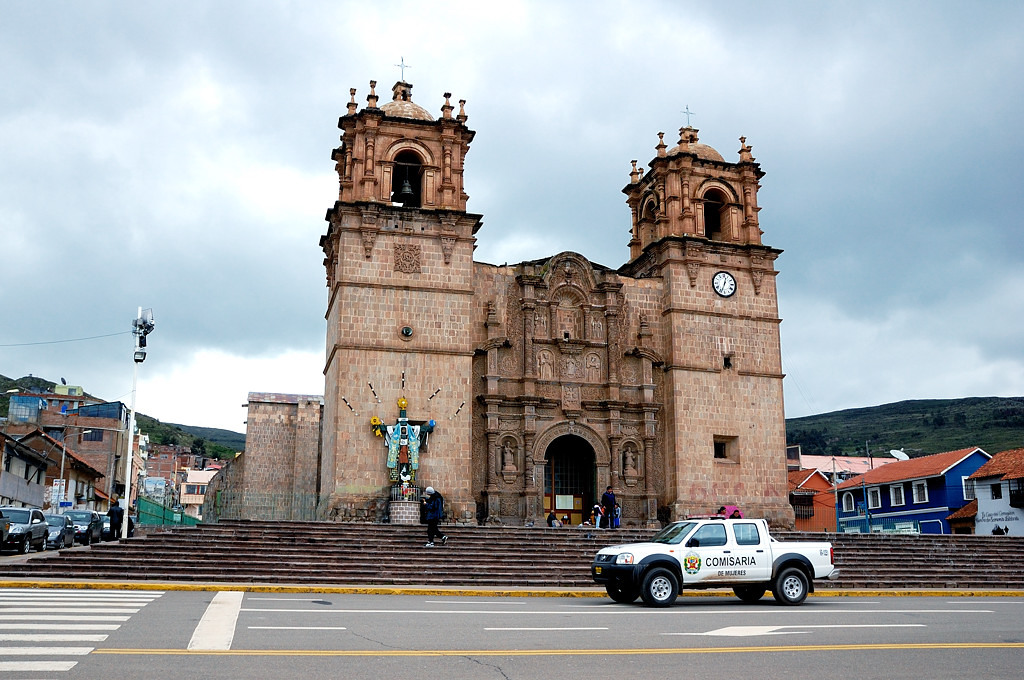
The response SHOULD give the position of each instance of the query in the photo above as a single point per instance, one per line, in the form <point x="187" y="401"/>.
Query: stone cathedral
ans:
<point x="529" y="387"/>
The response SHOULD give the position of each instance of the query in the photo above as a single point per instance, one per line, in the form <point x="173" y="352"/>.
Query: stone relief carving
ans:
<point x="507" y="364"/>
<point x="596" y="328"/>
<point x="508" y="456"/>
<point x="593" y="368"/>
<point x="571" y="397"/>
<point x="545" y="365"/>
<point x="407" y="258"/>
<point x="571" y="368"/>
<point x="630" y="372"/>
<point x="540" y="323"/>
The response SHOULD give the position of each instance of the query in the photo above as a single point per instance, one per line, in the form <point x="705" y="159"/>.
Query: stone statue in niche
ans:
<point x="540" y="323"/>
<point x="593" y="368"/>
<point x="545" y="367"/>
<point x="629" y="460"/>
<point x="572" y="368"/>
<point x="596" y="327"/>
<point x="508" y="457"/>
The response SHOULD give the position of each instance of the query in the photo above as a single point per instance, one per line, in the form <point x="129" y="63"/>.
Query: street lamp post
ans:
<point x="142" y="326"/>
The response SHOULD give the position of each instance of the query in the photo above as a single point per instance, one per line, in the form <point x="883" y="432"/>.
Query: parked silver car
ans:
<point x="62" y="532"/>
<point x="28" y="528"/>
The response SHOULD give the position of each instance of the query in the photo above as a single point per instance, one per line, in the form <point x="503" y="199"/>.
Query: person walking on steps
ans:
<point x="433" y="503"/>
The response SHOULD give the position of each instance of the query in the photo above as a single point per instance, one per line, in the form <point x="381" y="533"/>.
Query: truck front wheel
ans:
<point x="749" y="594"/>
<point x="659" y="588"/>
<point x="622" y="594"/>
<point x="790" y="586"/>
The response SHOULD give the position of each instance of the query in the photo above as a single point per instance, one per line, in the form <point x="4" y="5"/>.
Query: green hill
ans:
<point x="919" y="427"/>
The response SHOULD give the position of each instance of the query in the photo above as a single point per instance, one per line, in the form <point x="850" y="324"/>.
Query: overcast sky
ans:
<point x="177" y="155"/>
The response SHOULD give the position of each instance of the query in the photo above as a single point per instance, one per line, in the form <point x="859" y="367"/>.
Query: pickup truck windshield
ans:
<point x="673" y="533"/>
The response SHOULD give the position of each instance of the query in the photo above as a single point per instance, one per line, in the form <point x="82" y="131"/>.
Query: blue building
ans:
<point x="911" y="496"/>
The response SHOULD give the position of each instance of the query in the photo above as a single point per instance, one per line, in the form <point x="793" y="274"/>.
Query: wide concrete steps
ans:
<point x="372" y="554"/>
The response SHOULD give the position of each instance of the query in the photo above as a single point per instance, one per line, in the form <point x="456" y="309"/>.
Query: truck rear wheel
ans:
<point x="622" y="594"/>
<point x="659" y="588"/>
<point x="749" y="594"/>
<point x="790" y="586"/>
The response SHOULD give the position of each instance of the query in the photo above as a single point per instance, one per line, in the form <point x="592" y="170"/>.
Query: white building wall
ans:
<point x="996" y="512"/>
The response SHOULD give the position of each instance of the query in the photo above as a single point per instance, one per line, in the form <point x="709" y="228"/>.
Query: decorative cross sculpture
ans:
<point x="402" y="65"/>
<point x="687" y="112"/>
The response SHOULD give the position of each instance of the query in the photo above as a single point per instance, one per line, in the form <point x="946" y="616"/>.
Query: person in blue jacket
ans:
<point x="433" y="503"/>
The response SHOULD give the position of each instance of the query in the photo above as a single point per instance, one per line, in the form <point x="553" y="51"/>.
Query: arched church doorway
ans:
<point x="569" y="478"/>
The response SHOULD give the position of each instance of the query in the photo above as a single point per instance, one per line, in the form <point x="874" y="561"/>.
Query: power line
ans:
<point x="57" y="342"/>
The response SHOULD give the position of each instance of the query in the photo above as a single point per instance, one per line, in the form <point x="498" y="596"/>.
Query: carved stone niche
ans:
<point x="509" y="459"/>
<point x="630" y="463"/>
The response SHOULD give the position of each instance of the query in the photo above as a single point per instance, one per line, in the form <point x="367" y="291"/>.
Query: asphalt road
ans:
<point x="188" y="634"/>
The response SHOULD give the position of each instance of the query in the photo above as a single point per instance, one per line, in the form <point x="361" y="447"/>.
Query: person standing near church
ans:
<point x="608" y="505"/>
<point x="433" y="503"/>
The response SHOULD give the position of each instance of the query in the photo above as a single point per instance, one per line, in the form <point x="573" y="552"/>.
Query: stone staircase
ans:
<point x="323" y="553"/>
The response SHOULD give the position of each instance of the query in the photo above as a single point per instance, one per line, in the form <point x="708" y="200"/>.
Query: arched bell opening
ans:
<point x="407" y="180"/>
<point x="715" y="215"/>
<point x="570" y="478"/>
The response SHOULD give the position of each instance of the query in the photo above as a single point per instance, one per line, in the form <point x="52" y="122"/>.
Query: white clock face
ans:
<point x="724" y="284"/>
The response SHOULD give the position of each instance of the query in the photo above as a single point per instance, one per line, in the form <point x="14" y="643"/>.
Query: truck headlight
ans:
<point x="624" y="558"/>
<point x="18" y="530"/>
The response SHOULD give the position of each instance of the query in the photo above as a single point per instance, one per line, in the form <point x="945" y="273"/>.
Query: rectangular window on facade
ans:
<point x="920" y="492"/>
<point x="725" y="448"/>
<point x="997" y="491"/>
<point x="874" y="498"/>
<point x="969" y="491"/>
<point x="92" y="436"/>
<point x="896" y="495"/>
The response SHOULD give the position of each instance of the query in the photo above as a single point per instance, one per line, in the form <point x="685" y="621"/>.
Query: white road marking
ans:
<point x="216" y="629"/>
<point x="70" y="610"/>
<point x="72" y="600"/>
<point x="558" y="629"/>
<point x="289" y="599"/>
<point x="54" y="617"/>
<point x="51" y="637"/>
<point x="620" y="610"/>
<point x="40" y="651"/>
<point x="59" y="626"/>
<point x="751" y="631"/>
<point x="297" y="628"/>
<point x="472" y="602"/>
<point x="37" y="666"/>
<point x="91" y="591"/>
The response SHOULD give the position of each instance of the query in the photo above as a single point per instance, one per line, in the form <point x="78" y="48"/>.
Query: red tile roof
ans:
<point x="1005" y="465"/>
<point x="915" y="468"/>
<point x="969" y="511"/>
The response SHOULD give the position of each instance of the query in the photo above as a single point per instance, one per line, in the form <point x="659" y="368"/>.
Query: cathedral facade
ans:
<point x="531" y="387"/>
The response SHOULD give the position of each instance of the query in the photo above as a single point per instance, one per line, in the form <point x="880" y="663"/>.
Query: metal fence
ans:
<point x="153" y="513"/>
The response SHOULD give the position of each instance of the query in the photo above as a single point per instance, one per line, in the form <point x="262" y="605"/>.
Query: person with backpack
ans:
<point x="433" y="504"/>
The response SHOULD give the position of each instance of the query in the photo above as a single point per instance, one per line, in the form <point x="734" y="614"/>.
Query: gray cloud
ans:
<point x="178" y="157"/>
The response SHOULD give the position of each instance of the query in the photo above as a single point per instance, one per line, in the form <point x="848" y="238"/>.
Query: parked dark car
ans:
<point x="28" y="528"/>
<point x="62" y="532"/>
<point x="88" y="525"/>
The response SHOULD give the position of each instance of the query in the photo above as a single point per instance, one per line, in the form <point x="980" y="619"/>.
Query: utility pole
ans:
<point x="141" y="327"/>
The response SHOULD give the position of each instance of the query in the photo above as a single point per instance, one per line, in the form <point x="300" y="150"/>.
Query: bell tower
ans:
<point x="398" y="254"/>
<point x="695" y="227"/>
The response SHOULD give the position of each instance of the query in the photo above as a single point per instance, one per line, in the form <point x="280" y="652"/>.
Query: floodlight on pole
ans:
<point x="142" y="326"/>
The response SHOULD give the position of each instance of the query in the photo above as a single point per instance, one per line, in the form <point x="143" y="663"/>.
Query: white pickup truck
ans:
<point x="713" y="553"/>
